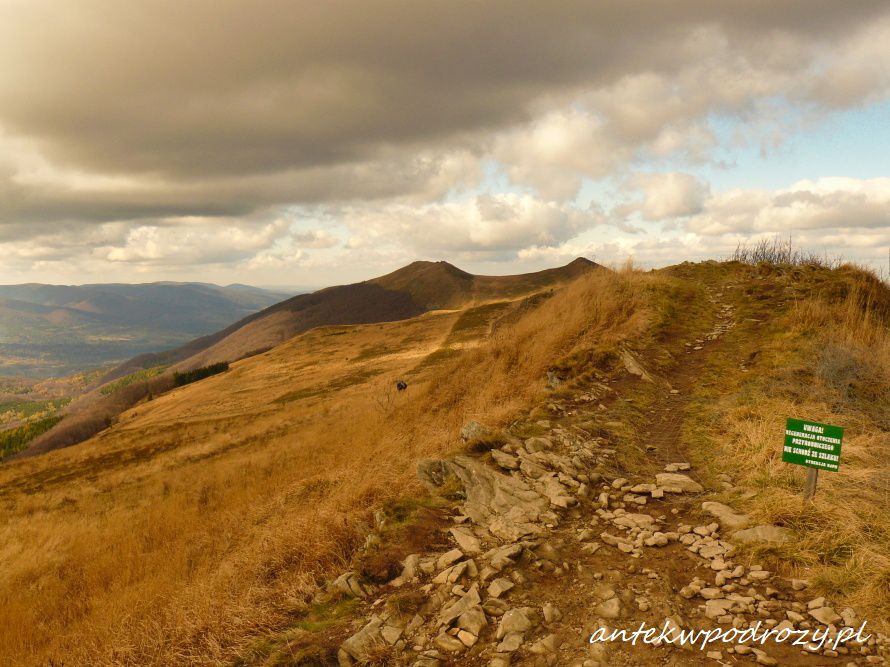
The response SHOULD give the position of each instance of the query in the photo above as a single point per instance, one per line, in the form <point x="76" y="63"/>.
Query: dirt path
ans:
<point x="550" y="548"/>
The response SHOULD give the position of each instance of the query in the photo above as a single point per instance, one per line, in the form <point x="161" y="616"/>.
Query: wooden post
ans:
<point x="809" y="489"/>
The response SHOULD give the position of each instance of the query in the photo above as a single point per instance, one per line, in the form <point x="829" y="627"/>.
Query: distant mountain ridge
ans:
<point x="419" y="287"/>
<point x="53" y="330"/>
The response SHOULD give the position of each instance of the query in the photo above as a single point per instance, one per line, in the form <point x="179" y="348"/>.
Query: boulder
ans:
<point x="507" y="506"/>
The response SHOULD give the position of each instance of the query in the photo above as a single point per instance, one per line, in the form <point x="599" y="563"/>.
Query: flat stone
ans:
<point x="505" y="460"/>
<point x="551" y="613"/>
<point x="466" y="638"/>
<point x="473" y="429"/>
<point x="714" y="609"/>
<point x="468" y="543"/>
<point x="765" y="533"/>
<point x="472" y="620"/>
<point x="799" y="584"/>
<point x="510" y="643"/>
<point x="390" y="634"/>
<point x="495" y="607"/>
<point x="449" y="558"/>
<point x="506" y="505"/>
<point x="348" y="585"/>
<point x="670" y="481"/>
<point x="499" y="586"/>
<point x="359" y="645"/>
<point x="728" y="518"/>
<point x="449" y="643"/>
<point x="547" y="645"/>
<point x="516" y="620"/>
<point x="826" y="616"/>
<point x="538" y="444"/>
<point x="450" y="613"/>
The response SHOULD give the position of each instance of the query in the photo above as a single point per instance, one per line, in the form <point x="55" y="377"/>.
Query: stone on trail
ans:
<point x="763" y="533"/>
<point x="467" y="542"/>
<point x="633" y="366"/>
<point x="449" y="643"/>
<point x="505" y="460"/>
<point x="610" y="609"/>
<point x="362" y="642"/>
<point x="518" y="620"/>
<point x="728" y="518"/>
<point x="348" y="585"/>
<point x="510" y="643"/>
<point x="677" y="483"/>
<point x="472" y="620"/>
<point x="506" y="505"/>
<point x="826" y="616"/>
<point x="499" y="586"/>
<point x="449" y="614"/>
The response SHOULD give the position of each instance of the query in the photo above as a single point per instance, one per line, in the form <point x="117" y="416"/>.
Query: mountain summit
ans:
<point x="411" y="290"/>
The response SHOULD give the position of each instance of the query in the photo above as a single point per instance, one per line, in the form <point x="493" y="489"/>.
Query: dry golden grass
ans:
<point x="827" y="359"/>
<point x="205" y="517"/>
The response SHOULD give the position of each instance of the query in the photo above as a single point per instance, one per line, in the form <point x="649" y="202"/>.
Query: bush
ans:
<point x="187" y="377"/>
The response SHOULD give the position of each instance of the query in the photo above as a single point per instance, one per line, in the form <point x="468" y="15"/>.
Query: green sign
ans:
<point x="813" y="444"/>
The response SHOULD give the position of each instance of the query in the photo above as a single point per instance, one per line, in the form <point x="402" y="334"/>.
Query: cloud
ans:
<point x="500" y="224"/>
<point x="825" y="203"/>
<point x="124" y="111"/>
<point x="669" y="195"/>
<point x="162" y="135"/>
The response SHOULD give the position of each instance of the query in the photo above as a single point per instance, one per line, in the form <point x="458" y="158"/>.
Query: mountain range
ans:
<point x="414" y="289"/>
<point x="55" y="330"/>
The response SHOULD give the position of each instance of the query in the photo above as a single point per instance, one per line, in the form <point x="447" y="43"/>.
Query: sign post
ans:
<point x="814" y="445"/>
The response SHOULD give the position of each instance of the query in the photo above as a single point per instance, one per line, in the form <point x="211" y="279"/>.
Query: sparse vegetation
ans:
<point x="779" y="252"/>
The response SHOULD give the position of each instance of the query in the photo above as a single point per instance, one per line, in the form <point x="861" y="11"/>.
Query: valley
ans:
<point x="51" y="331"/>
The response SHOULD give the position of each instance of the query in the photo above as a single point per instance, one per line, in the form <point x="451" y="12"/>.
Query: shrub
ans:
<point x="187" y="377"/>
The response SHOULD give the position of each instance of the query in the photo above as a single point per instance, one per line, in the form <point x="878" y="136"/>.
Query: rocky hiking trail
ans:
<point x="550" y="543"/>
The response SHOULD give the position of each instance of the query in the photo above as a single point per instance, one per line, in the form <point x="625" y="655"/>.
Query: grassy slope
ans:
<point x="219" y="506"/>
<point x="814" y="345"/>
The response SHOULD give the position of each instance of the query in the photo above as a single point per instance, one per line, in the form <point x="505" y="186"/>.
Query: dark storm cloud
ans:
<point x="224" y="107"/>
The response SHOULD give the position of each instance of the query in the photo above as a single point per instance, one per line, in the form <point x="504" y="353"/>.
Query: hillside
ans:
<point x="267" y="515"/>
<point x="56" y="330"/>
<point x="417" y="288"/>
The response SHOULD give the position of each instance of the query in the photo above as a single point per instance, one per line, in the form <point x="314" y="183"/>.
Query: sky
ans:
<point x="322" y="142"/>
